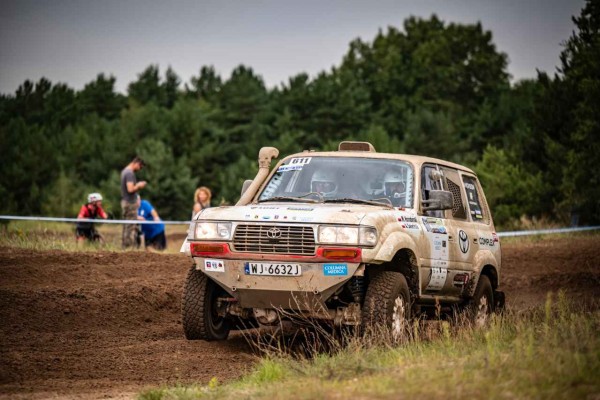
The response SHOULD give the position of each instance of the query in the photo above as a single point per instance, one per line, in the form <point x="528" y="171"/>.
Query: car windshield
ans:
<point x="341" y="179"/>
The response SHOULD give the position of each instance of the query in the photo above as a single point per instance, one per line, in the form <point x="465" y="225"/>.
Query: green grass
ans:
<point x="35" y="235"/>
<point x="551" y="352"/>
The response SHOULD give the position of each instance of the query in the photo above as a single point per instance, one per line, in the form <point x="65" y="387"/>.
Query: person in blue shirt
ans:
<point x="154" y="234"/>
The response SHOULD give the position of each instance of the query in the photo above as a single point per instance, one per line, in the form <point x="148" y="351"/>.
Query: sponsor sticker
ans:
<point x="411" y="226"/>
<point x="434" y="225"/>
<point x="300" y="209"/>
<point x="483" y="241"/>
<point x="408" y="218"/>
<point x="214" y="265"/>
<point x="437" y="278"/>
<point x="335" y="269"/>
<point x="286" y="168"/>
<point x="296" y="164"/>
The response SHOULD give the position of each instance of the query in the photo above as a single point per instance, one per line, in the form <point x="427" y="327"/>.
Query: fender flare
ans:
<point x="483" y="259"/>
<point x="395" y="242"/>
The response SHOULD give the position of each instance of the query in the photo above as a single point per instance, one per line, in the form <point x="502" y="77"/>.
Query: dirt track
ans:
<point x="103" y="325"/>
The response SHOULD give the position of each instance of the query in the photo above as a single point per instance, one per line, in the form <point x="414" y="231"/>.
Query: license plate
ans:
<point x="269" y="269"/>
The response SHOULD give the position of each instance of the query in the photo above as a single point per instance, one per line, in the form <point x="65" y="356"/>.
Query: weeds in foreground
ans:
<point x="548" y="352"/>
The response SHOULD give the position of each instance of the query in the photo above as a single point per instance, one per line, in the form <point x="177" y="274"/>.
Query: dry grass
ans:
<point x="35" y="235"/>
<point x="549" y="352"/>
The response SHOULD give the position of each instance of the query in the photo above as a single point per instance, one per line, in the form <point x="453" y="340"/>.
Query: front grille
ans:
<point x="298" y="240"/>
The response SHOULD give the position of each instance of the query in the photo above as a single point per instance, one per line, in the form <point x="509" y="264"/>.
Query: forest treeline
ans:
<point x="433" y="88"/>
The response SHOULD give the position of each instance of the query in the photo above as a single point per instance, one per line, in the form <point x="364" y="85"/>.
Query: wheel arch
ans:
<point x="404" y="261"/>
<point x="492" y="273"/>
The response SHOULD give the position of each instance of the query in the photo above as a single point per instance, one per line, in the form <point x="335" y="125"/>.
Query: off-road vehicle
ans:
<point x="352" y="237"/>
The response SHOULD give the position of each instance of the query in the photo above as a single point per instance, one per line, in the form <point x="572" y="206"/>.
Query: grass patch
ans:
<point x="36" y="235"/>
<point x="549" y="352"/>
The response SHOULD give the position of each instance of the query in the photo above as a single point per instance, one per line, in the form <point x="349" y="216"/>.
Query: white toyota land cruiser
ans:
<point x="350" y="236"/>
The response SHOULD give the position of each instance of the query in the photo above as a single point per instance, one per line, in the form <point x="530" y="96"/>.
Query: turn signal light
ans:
<point x="207" y="249"/>
<point x="342" y="254"/>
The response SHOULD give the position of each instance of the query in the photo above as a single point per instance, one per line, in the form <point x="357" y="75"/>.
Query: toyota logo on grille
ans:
<point x="273" y="233"/>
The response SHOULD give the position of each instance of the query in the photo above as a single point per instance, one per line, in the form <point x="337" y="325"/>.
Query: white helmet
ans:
<point x="93" y="197"/>
<point x="323" y="182"/>
<point x="393" y="183"/>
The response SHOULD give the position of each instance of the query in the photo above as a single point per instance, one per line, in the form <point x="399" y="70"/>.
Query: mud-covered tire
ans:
<point x="198" y="308"/>
<point x="481" y="305"/>
<point x="387" y="303"/>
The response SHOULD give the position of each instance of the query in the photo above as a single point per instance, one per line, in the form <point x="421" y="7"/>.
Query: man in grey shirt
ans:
<point x="129" y="189"/>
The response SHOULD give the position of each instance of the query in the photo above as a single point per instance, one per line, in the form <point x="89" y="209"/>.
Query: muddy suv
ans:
<point x="353" y="237"/>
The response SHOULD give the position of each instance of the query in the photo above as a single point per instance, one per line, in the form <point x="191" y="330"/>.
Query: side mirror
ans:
<point x="438" y="200"/>
<point x="245" y="186"/>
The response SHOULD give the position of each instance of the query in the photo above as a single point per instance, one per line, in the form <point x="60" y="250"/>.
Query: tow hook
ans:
<point x="265" y="316"/>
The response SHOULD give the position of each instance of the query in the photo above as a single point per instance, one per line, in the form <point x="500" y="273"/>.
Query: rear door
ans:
<point x="462" y="234"/>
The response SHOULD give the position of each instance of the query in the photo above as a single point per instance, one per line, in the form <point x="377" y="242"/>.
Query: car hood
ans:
<point x="292" y="213"/>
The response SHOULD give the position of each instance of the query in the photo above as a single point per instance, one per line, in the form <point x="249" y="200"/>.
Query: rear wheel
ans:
<point x="482" y="305"/>
<point x="199" y="308"/>
<point x="387" y="303"/>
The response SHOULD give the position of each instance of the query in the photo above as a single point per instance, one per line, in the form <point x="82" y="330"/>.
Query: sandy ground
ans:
<point x="107" y="325"/>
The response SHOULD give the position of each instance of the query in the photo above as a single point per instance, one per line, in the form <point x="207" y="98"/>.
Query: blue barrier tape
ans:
<point x="547" y="231"/>
<point x="100" y="221"/>
<point x="123" y="221"/>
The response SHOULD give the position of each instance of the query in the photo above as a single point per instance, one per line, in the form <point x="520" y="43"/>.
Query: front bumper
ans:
<point x="308" y="291"/>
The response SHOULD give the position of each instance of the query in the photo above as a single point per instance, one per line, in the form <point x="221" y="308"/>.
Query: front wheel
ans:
<point x="387" y="303"/>
<point x="482" y="305"/>
<point x="199" y="308"/>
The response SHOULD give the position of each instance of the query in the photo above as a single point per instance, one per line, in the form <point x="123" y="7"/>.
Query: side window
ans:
<point x="453" y="186"/>
<point x="474" y="200"/>
<point x="431" y="179"/>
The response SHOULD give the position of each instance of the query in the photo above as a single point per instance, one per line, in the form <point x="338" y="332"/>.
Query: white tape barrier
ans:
<point x="123" y="221"/>
<point x="547" y="231"/>
<point x="101" y="221"/>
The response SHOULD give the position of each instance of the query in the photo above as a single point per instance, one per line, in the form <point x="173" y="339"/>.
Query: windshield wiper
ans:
<point x="290" y="198"/>
<point x="374" y="202"/>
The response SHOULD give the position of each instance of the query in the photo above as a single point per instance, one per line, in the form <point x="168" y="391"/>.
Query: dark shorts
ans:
<point x="88" y="233"/>
<point x="159" y="242"/>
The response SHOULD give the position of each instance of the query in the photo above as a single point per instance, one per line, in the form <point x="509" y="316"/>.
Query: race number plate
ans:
<point x="269" y="269"/>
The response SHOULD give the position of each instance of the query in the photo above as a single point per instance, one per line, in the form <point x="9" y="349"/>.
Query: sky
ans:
<point x="71" y="41"/>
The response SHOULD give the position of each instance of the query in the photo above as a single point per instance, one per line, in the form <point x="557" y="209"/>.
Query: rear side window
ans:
<point x="458" y="209"/>
<point x="473" y="199"/>
<point x="431" y="179"/>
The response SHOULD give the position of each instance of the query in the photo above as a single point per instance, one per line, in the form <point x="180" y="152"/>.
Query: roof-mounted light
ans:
<point x="356" y="146"/>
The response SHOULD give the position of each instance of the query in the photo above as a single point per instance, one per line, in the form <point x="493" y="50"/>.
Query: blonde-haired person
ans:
<point x="201" y="199"/>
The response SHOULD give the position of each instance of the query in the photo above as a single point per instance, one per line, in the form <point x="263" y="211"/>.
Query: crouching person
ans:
<point x="92" y="210"/>
<point x="154" y="234"/>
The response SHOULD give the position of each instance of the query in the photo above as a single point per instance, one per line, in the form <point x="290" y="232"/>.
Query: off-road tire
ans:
<point x="481" y="305"/>
<point x="381" y="300"/>
<point x="198" y="308"/>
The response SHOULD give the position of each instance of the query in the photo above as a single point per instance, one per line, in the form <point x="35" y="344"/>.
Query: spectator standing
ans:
<point x="202" y="198"/>
<point x="91" y="210"/>
<point x="129" y="191"/>
<point x="154" y="234"/>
